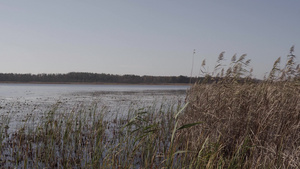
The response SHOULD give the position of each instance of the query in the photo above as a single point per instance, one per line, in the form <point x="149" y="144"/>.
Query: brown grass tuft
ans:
<point x="245" y="125"/>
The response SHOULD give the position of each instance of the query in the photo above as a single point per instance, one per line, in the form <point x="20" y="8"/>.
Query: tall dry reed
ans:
<point x="244" y="125"/>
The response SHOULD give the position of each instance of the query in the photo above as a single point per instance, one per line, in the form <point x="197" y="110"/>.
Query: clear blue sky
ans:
<point x="143" y="37"/>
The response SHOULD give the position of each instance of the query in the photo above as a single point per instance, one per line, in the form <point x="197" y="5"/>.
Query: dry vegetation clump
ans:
<point x="245" y="125"/>
<point x="252" y="125"/>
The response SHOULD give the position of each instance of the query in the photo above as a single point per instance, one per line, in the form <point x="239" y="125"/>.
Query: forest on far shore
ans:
<point x="83" y="77"/>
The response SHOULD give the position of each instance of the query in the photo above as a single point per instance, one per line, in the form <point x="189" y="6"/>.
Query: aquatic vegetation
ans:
<point x="228" y="120"/>
<point x="244" y="123"/>
<point x="83" y="138"/>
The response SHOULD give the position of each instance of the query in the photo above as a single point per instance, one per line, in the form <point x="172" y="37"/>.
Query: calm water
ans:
<point x="57" y="90"/>
<point x="23" y="101"/>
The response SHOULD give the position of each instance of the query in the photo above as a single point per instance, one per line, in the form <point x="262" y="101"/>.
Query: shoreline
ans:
<point x="99" y="83"/>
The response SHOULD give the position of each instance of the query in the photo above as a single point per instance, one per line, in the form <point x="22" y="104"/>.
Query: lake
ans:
<point x="22" y="101"/>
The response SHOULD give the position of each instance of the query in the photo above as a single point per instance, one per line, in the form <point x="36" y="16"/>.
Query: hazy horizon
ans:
<point x="144" y="37"/>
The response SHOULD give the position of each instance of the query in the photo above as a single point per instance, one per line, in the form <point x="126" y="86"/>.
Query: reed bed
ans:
<point x="229" y="120"/>
<point x="243" y="123"/>
<point x="84" y="138"/>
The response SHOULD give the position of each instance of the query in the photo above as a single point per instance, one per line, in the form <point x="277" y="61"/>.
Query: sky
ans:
<point x="144" y="37"/>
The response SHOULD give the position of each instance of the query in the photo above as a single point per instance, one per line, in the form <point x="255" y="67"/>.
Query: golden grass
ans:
<point x="250" y="125"/>
<point x="244" y="124"/>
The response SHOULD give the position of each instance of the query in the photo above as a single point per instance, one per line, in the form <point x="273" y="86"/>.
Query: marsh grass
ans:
<point x="245" y="124"/>
<point x="229" y="120"/>
<point x="82" y="138"/>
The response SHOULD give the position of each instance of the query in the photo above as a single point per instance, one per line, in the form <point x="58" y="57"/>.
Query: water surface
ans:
<point x="23" y="101"/>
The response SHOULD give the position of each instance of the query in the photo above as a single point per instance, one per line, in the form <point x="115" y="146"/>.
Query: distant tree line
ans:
<point x="83" y="77"/>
